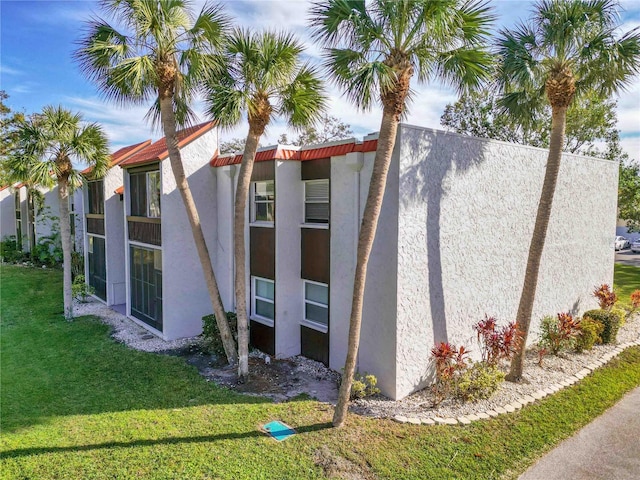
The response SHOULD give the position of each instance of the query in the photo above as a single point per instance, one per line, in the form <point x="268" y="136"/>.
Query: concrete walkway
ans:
<point x="608" y="448"/>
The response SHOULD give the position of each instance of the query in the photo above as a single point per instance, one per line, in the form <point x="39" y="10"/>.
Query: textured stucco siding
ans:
<point x="288" y="288"/>
<point x="114" y="238"/>
<point x="378" y="334"/>
<point x="466" y="215"/>
<point x="45" y="218"/>
<point x="78" y="219"/>
<point x="7" y="213"/>
<point x="184" y="292"/>
<point x="226" y="178"/>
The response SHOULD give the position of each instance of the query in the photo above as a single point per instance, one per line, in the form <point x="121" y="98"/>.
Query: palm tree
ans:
<point x="373" y="51"/>
<point x="567" y="50"/>
<point x="264" y="77"/>
<point x="47" y="145"/>
<point x="164" y="54"/>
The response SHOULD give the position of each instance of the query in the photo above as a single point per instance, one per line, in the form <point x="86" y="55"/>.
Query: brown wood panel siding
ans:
<point x="314" y="344"/>
<point x="316" y="169"/>
<point x="263" y="171"/>
<point x="262" y="337"/>
<point x="262" y="242"/>
<point x="95" y="225"/>
<point x="145" y="232"/>
<point x="315" y="254"/>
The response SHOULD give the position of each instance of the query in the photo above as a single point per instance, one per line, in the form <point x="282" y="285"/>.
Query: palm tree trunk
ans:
<point x="386" y="142"/>
<point x="169" y="127"/>
<point x="525" y="308"/>
<point x="242" y="194"/>
<point x="65" y="237"/>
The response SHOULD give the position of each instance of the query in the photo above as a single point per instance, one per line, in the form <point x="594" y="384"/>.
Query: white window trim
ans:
<point x="252" y="214"/>
<point x="254" y="316"/>
<point x="311" y="323"/>
<point x="321" y="226"/>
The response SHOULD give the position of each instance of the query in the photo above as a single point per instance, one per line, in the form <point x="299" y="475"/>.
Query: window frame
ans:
<point x="253" y="220"/>
<point x="135" y="196"/>
<point x="313" y="324"/>
<point x="270" y="322"/>
<point x="327" y="202"/>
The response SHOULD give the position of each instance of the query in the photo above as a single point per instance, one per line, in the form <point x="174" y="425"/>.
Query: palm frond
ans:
<point x="303" y="101"/>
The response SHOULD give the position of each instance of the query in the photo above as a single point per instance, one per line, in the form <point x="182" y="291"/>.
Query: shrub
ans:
<point x="622" y="314"/>
<point x="496" y="343"/>
<point x="635" y="300"/>
<point x="80" y="290"/>
<point x="450" y="363"/>
<point x="364" y="385"/>
<point x="589" y="335"/>
<point x="9" y="251"/>
<point x="479" y="381"/>
<point x="48" y="251"/>
<point x="211" y="334"/>
<point x="610" y="322"/>
<point x="558" y="333"/>
<point x="77" y="264"/>
<point x="605" y="296"/>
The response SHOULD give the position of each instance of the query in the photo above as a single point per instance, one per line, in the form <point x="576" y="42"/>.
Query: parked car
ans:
<point x="635" y="246"/>
<point x="621" y="243"/>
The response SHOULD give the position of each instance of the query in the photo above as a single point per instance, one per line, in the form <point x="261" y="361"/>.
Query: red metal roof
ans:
<point x="121" y="154"/>
<point x="157" y="151"/>
<point x="282" y="153"/>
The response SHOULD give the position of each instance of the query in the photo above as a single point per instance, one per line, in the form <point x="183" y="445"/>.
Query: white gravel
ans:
<point x="419" y="405"/>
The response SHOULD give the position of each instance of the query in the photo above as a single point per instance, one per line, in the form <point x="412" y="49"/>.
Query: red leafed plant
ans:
<point x="450" y="362"/>
<point x="496" y="343"/>
<point x="635" y="300"/>
<point x="606" y="297"/>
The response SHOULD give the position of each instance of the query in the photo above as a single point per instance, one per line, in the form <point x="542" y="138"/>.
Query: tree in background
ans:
<point x="163" y="54"/>
<point x="263" y="77"/>
<point x="10" y="123"/>
<point x="567" y="50"/>
<point x="590" y="120"/>
<point x="329" y="129"/>
<point x="234" y="145"/>
<point x="47" y="144"/>
<point x="373" y="49"/>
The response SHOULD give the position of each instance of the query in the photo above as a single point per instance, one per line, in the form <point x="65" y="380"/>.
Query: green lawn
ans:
<point x="75" y="404"/>
<point x="626" y="280"/>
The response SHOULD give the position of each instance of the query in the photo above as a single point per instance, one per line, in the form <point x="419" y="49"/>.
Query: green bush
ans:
<point x="479" y="381"/>
<point x="557" y="333"/>
<point x="364" y="385"/>
<point x="77" y="264"/>
<point x="211" y="334"/>
<point x="590" y="331"/>
<point x="80" y="290"/>
<point x="610" y="321"/>
<point x="9" y="251"/>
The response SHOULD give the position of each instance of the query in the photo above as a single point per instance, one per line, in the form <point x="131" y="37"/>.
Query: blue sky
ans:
<point x="37" y="39"/>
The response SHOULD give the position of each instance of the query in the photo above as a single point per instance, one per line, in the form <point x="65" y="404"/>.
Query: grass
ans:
<point x="75" y="404"/>
<point x="626" y="280"/>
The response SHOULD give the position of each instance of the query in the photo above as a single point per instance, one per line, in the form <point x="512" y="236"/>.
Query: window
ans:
<point x="316" y="305"/>
<point x="316" y="201"/>
<point x="96" y="197"/>
<point x="145" y="194"/>
<point x="263" y="300"/>
<point x="263" y="204"/>
<point x="146" y="285"/>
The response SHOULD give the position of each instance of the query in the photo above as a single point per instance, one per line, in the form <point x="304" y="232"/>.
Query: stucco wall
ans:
<point x="378" y="337"/>
<point x="7" y="213"/>
<point x="185" y="296"/>
<point x="44" y="218"/>
<point x="226" y="178"/>
<point x="114" y="237"/>
<point x="467" y="210"/>
<point x="289" y="297"/>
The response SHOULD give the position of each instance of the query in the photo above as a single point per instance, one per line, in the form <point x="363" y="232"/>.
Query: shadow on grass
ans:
<point x="51" y="367"/>
<point x="25" y="452"/>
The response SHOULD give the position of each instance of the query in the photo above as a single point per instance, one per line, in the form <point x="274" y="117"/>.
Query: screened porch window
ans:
<point x="145" y="194"/>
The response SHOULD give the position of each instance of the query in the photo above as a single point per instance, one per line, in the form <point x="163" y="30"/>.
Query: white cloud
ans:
<point x="5" y="70"/>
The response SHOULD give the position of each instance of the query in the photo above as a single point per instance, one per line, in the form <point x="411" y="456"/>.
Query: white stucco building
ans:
<point x="451" y="244"/>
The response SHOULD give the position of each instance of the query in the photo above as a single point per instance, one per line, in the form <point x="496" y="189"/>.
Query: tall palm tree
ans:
<point x="568" y="49"/>
<point x="373" y="51"/>
<point x="163" y="54"/>
<point x="263" y="77"/>
<point x="47" y="145"/>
